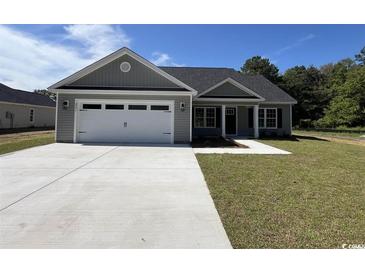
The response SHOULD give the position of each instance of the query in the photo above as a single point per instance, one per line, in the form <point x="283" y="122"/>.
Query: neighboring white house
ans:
<point x="22" y="109"/>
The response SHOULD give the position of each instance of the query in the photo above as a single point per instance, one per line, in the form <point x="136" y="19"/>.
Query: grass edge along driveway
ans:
<point x="314" y="198"/>
<point x="17" y="141"/>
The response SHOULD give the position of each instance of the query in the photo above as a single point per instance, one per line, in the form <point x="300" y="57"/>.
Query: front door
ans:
<point x="231" y="121"/>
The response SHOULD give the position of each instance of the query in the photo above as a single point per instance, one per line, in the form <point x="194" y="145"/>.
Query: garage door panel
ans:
<point x="97" y="126"/>
<point x="124" y="125"/>
<point x="147" y="126"/>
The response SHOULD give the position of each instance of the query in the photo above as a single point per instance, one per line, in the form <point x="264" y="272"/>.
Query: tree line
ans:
<point x="331" y="95"/>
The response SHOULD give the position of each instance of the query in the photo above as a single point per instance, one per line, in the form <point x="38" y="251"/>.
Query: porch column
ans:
<point x="223" y="121"/>
<point x="256" y="121"/>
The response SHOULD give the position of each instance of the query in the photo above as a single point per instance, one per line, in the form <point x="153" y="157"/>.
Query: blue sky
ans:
<point x="35" y="56"/>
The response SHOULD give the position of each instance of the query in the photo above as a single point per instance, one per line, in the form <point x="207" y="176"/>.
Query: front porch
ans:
<point x="226" y="120"/>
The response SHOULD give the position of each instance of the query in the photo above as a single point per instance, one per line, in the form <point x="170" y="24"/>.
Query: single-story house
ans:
<point x="22" y="109"/>
<point x="125" y="98"/>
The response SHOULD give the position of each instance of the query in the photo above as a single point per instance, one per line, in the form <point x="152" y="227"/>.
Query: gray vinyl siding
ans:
<point x="65" y="122"/>
<point x="43" y="116"/>
<point x="227" y="89"/>
<point x="110" y="75"/>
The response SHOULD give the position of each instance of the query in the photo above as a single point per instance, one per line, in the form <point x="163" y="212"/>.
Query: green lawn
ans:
<point x="18" y="141"/>
<point x="314" y="198"/>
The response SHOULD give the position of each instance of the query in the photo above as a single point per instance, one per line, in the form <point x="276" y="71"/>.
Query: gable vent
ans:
<point x="125" y="67"/>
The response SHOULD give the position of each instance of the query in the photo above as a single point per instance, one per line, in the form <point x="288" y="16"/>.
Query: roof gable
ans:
<point x="229" y="88"/>
<point x="106" y="73"/>
<point x="110" y="75"/>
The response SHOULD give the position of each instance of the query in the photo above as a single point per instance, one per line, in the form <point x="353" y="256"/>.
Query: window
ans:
<point x="91" y="106"/>
<point x="210" y="117"/>
<point x="114" y="107"/>
<point x="204" y="117"/>
<point x="159" y="107"/>
<point x="267" y="118"/>
<point x="137" y="107"/>
<point x="271" y="118"/>
<point x="31" y="115"/>
<point x="199" y="117"/>
<point x="230" y="111"/>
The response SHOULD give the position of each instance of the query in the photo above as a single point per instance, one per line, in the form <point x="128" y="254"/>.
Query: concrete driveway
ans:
<point x="100" y="196"/>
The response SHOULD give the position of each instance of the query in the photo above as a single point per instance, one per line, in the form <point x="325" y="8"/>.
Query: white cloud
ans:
<point x="98" y="40"/>
<point x="163" y="59"/>
<point x="297" y="43"/>
<point x="27" y="62"/>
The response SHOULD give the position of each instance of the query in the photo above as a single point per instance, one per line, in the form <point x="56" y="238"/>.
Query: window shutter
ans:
<point x="193" y="117"/>
<point x="250" y="118"/>
<point x="280" y="118"/>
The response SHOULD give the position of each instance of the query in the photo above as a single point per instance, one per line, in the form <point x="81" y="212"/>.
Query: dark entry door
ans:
<point x="231" y="125"/>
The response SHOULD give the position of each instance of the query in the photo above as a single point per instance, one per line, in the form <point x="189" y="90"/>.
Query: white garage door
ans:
<point x="125" y="121"/>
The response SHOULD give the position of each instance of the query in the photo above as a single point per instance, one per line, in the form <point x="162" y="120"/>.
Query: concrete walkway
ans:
<point x="254" y="147"/>
<point x="95" y="196"/>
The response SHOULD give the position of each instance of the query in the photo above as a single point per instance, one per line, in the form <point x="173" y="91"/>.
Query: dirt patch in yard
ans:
<point x="216" y="142"/>
<point x="24" y="130"/>
<point x="352" y="141"/>
<point x="338" y="139"/>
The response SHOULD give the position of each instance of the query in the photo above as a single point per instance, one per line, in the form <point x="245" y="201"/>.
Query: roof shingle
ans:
<point x="203" y="78"/>
<point x="10" y="95"/>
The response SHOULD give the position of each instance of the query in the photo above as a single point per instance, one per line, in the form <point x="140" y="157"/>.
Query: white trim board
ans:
<point x="191" y="118"/>
<point x="55" y="121"/>
<point x="224" y="104"/>
<point x="279" y="103"/>
<point x="225" y="100"/>
<point x="121" y="92"/>
<point x="233" y="82"/>
<point x="113" y="56"/>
